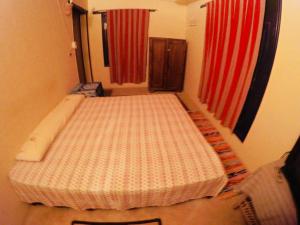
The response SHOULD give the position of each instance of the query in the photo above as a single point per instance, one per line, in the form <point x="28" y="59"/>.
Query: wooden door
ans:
<point x="77" y="37"/>
<point x="157" y="63"/>
<point x="174" y="77"/>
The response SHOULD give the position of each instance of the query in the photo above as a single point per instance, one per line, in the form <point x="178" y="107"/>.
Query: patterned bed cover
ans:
<point x="121" y="153"/>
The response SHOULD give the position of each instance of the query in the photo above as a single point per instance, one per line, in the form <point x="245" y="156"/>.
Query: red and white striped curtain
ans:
<point x="127" y="31"/>
<point x="233" y="35"/>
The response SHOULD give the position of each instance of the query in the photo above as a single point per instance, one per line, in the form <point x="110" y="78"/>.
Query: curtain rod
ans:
<point x="205" y="4"/>
<point x="104" y="11"/>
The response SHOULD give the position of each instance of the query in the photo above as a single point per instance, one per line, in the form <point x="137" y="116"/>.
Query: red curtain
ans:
<point x="128" y="44"/>
<point x="233" y="34"/>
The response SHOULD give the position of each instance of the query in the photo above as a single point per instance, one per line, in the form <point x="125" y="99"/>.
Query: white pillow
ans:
<point x="44" y="134"/>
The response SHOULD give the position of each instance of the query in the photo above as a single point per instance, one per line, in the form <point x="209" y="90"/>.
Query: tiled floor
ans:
<point x="134" y="91"/>
<point x="197" y="212"/>
<point x="128" y="91"/>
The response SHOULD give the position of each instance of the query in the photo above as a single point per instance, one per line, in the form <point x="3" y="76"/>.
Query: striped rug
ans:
<point x="234" y="168"/>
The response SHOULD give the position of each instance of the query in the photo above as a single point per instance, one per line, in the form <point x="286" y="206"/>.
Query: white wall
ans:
<point x="36" y="72"/>
<point x="277" y="124"/>
<point x="168" y="21"/>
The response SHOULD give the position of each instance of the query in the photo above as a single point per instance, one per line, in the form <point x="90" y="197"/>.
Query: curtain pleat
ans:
<point x="232" y="40"/>
<point x="128" y="44"/>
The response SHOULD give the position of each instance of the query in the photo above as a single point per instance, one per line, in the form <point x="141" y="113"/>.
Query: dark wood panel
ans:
<point x="105" y="39"/>
<point x="176" y="64"/>
<point x="157" y="62"/>
<point x="167" y="59"/>
<point x="77" y="37"/>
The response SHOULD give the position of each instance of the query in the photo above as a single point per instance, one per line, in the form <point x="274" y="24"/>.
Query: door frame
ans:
<point x="83" y="11"/>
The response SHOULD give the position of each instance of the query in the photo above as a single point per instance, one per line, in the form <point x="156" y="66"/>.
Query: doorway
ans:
<point x="76" y="14"/>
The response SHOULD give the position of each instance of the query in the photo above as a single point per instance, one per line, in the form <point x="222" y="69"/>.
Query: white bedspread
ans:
<point x="121" y="153"/>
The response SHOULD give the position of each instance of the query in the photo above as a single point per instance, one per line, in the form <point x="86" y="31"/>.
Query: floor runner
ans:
<point x="235" y="169"/>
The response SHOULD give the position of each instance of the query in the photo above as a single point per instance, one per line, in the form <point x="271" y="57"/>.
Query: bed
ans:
<point x="121" y="153"/>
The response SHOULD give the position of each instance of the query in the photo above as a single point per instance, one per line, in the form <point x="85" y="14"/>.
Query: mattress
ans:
<point x="122" y="153"/>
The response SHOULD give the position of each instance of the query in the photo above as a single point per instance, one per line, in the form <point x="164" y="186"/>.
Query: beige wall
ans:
<point x="81" y="3"/>
<point x="36" y="72"/>
<point x="169" y="21"/>
<point x="277" y="124"/>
